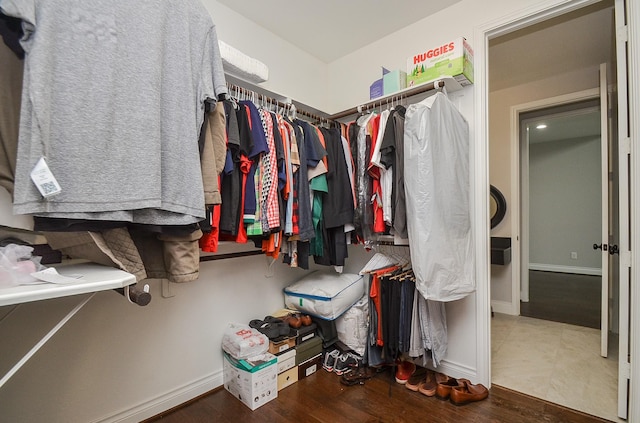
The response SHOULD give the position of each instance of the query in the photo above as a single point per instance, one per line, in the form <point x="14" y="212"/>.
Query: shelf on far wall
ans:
<point x="450" y="84"/>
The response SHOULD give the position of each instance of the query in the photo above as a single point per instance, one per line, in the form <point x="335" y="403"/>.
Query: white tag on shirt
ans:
<point x="44" y="179"/>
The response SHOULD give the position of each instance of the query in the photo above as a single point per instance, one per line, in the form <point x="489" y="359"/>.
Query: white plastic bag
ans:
<point x="353" y="326"/>
<point x="242" y="341"/>
<point x="17" y="264"/>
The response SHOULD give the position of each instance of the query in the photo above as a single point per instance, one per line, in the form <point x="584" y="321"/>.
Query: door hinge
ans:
<point x="622" y="34"/>
<point x="625" y="145"/>
<point x="625" y="370"/>
<point x="625" y="258"/>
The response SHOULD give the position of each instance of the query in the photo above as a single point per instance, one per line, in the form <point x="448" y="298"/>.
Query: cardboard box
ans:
<point x="376" y="89"/>
<point x="286" y="360"/>
<point x="304" y="333"/>
<point x="394" y="81"/>
<point x="287" y="378"/>
<point x="450" y="59"/>
<point x="309" y="367"/>
<point x="278" y="346"/>
<point x="308" y="349"/>
<point x="252" y="381"/>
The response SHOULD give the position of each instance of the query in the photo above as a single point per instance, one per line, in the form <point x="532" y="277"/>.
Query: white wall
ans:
<point x="114" y="358"/>
<point x="293" y="72"/>
<point x="350" y="76"/>
<point x="564" y="209"/>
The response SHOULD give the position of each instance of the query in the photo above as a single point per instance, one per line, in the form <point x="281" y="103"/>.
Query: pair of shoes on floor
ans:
<point x="461" y="391"/>
<point x="341" y="363"/>
<point x="404" y="370"/>
<point x="296" y="320"/>
<point x="358" y="376"/>
<point x="271" y="326"/>
<point x="347" y="362"/>
<point x="467" y="392"/>
<point x="425" y="381"/>
<point x="330" y="358"/>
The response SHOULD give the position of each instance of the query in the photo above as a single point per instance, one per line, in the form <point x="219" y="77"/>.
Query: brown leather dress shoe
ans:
<point x="443" y="390"/>
<point x="416" y="379"/>
<point x="429" y="386"/>
<point x="467" y="393"/>
<point x="293" y="320"/>
<point x="306" y="319"/>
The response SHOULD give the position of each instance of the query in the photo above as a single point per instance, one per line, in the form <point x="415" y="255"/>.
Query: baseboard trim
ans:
<point x="565" y="269"/>
<point x="458" y="370"/>
<point x="166" y="401"/>
<point x="503" y="307"/>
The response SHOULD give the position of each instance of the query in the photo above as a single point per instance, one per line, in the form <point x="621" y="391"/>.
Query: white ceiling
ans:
<point x="565" y="127"/>
<point x="577" y="40"/>
<point x="331" y="29"/>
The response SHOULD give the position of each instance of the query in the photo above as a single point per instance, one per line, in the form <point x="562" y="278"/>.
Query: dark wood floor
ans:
<point x="321" y="398"/>
<point x="564" y="297"/>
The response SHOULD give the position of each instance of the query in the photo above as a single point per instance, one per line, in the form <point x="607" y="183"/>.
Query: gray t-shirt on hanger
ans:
<point x="114" y="98"/>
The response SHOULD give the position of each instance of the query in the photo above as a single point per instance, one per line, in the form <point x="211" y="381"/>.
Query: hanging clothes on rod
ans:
<point x="286" y="185"/>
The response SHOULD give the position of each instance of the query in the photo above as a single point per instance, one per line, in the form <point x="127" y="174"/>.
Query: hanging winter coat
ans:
<point x="436" y="162"/>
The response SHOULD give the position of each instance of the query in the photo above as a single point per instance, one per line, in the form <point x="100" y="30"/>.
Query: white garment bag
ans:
<point x="436" y="142"/>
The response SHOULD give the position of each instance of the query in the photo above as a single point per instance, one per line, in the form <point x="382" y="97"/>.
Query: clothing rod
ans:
<point x="271" y="99"/>
<point x="448" y="82"/>
<point x="439" y="83"/>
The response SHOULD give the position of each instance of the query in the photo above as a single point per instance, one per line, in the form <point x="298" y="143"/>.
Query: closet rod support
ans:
<point x="135" y="295"/>
<point x="44" y="340"/>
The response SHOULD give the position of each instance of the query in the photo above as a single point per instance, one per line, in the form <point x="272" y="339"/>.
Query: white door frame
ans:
<point x="482" y="35"/>
<point x="633" y="35"/>
<point x="519" y="214"/>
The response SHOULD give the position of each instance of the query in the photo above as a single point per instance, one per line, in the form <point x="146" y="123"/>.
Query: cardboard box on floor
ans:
<point x="253" y="381"/>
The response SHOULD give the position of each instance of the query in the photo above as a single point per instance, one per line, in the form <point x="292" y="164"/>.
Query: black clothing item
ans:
<point x="337" y="204"/>
<point x="398" y="203"/>
<point x="388" y="146"/>
<point x="11" y="32"/>
<point x="408" y="288"/>
<point x="233" y="131"/>
<point x="301" y="185"/>
<point x="205" y="225"/>
<point x="353" y="140"/>
<point x="54" y="224"/>
<point x="334" y="247"/>
<point x="231" y="179"/>
<point x="390" y="301"/>
<point x="311" y="144"/>
<point x="304" y="250"/>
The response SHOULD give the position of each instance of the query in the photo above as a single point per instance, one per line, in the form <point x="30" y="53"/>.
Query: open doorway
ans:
<point x="560" y="209"/>
<point x="547" y="359"/>
<point x="560" y="149"/>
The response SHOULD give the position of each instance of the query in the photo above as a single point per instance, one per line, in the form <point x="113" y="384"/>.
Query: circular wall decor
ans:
<point x="497" y="206"/>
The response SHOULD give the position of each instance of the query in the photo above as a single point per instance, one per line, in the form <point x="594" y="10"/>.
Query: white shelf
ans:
<point x="94" y="278"/>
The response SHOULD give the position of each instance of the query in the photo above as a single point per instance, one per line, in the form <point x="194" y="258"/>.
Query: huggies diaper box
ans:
<point x="454" y="58"/>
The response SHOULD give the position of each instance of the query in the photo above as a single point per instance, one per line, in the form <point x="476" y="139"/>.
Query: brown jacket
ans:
<point x="214" y="153"/>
